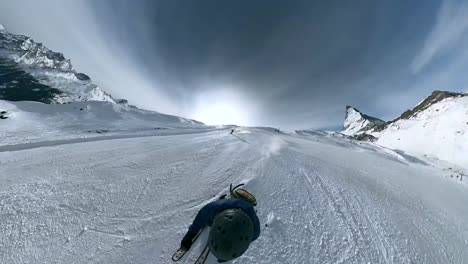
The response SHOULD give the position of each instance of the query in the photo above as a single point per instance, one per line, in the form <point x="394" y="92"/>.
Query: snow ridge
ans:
<point x="356" y="122"/>
<point x="50" y="68"/>
<point x="38" y="74"/>
<point x="437" y="127"/>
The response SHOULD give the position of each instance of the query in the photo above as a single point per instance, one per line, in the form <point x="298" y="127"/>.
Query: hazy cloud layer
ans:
<point x="449" y="32"/>
<point x="290" y="64"/>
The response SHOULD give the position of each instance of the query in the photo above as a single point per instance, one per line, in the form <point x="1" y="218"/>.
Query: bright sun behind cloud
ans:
<point x="224" y="107"/>
<point x="220" y="114"/>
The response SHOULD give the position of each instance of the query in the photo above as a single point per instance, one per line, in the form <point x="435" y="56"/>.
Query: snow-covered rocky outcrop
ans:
<point x="356" y="122"/>
<point x="437" y="127"/>
<point x="42" y="98"/>
<point x="30" y="63"/>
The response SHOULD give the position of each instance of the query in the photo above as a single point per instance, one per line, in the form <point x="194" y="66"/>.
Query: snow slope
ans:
<point x="31" y="73"/>
<point x="440" y="131"/>
<point x="32" y="122"/>
<point x="320" y="200"/>
<point x="436" y="129"/>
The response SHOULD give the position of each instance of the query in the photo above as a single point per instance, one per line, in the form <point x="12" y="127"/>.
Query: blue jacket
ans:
<point x="207" y="214"/>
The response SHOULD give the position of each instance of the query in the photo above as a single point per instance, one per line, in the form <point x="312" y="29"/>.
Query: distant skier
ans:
<point x="232" y="131"/>
<point x="234" y="225"/>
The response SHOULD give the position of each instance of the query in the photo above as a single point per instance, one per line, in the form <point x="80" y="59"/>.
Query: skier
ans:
<point x="234" y="225"/>
<point x="232" y="131"/>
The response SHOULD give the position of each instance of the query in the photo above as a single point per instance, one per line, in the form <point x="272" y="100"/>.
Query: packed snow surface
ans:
<point x="320" y="199"/>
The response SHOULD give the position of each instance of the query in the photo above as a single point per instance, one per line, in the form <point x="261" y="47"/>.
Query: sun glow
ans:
<point x="220" y="114"/>
<point x="224" y="108"/>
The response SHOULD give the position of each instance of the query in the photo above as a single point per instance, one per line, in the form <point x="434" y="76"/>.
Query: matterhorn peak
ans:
<point x="351" y="110"/>
<point x="357" y="122"/>
<point x="50" y="69"/>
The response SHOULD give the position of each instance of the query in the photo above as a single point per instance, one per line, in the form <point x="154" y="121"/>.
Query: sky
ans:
<point x="288" y="64"/>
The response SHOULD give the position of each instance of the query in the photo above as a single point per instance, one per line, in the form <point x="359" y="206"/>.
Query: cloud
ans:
<point x="72" y="27"/>
<point x="291" y="65"/>
<point x="451" y="25"/>
<point x="224" y="105"/>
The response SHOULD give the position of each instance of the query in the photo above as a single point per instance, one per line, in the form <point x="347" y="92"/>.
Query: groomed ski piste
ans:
<point x="130" y="199"/>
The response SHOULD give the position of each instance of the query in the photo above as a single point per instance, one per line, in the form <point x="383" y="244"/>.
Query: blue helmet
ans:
<point x="231" y="234"/>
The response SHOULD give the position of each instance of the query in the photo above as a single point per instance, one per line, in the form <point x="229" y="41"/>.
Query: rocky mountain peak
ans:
<point x="36" y="73"/>
<point x="434" y="98"/>
<point x="357" y="122"/>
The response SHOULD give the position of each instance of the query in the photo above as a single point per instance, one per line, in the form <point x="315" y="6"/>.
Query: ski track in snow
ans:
<point x="321" y="200"/>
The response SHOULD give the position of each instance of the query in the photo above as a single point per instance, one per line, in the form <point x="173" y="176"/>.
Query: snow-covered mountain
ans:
<point x="43" y="97"/>
<point x="437" y="127"/>
<point x="357" y="122"/>
<point x="32" y="72"/>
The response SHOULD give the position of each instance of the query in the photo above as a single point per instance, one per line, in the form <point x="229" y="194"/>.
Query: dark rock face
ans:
<point x="82" y="77"/>
<point x="121" y="101"/>
<point x="17" y="85"/>
<point x="3" y="114"/>
<point x="434" y="98"/>
<point x="35" y="53"/>
<point x="364" y="137"/>
<point x="29" y="71"/>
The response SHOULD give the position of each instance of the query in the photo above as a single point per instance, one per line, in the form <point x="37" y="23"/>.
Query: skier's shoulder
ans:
<point x="224" y="204"/>
<point x="234" y="202"/>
